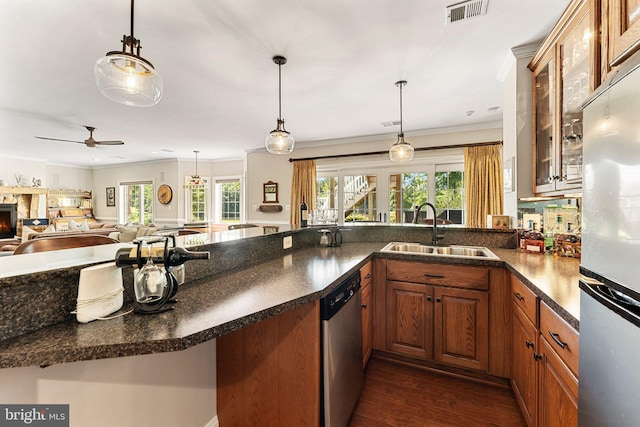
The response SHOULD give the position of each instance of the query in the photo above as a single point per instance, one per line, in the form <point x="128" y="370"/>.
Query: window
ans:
<point x="228" y="196"/>
<point x="359" y="192"/>
<point x="406" y="191"/>
<point x="386" y="192"/>
<point x="198" y="198"/>
<point x="136" y="202"/>
<point x="449" y="196"/>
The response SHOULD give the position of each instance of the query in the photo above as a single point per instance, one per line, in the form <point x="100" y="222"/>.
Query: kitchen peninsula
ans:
<point x="248" y="280"/>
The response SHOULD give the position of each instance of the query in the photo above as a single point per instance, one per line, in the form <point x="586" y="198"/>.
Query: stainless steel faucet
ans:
<point x="416" y="213"/>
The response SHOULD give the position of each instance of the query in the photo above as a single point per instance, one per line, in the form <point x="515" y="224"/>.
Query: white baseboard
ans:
<point x="213" y="422"/>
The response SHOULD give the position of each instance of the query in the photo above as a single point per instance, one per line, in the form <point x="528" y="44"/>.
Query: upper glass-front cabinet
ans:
<point x="575" y="87"/>
<point x="623" y="28"/>
<point x="565" y="72"/>
<point x="545" y="152"/>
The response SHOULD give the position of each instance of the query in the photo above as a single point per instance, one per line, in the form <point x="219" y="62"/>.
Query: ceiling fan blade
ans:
<point x="109" y="142"/>
<point x="56" y="139"/>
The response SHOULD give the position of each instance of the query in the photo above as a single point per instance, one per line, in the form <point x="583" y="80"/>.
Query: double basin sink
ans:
<point x="473" y="252"/>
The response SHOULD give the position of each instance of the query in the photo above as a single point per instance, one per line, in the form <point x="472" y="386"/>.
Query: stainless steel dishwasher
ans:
<point x="342" y="372"/>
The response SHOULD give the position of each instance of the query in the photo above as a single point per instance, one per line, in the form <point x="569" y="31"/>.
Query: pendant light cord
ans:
<point x="401" y="133"/>
<point x="132" y="36"/>
<point x="279" y="91"/>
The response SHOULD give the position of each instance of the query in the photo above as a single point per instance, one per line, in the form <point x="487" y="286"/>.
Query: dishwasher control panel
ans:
<point x="332" y="303"/>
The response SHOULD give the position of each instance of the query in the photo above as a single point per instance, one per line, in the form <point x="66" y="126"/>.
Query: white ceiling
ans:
<point x="221" y="86"/>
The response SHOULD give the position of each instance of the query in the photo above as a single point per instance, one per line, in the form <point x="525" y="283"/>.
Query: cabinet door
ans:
<point x="577" y="78"/>
<point x="410" y="319"/>
<point x="524" y="378"/>
<point x="544" y="148"/>
<point x="558" y="405"/>
<point x="624" y="29"/>
<point x="367" y="323"/>
<point x="461" y="325"/>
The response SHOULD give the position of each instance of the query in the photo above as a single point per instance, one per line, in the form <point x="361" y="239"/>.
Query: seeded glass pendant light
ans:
<point x="279" y="141"/>
<point x="195" y="181"/>
<point x="401" y="151"/>
<point x="126" y="77"/>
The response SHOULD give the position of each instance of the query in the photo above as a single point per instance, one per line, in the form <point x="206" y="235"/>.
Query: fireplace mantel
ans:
<point x="23" y="190"/>
<point x="27" y="199"/>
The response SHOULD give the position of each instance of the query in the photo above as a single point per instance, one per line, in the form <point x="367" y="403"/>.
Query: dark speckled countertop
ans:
<point x="219" y="304"/>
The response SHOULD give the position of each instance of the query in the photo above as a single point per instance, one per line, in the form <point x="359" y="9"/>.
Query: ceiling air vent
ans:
<point x="390" y="123"/>
<point x="465" y="10"/>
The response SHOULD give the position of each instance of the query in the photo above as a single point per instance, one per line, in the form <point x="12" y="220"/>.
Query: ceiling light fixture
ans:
<point x="126" y="77"/>
<point x="401" y="151"/>
<point x="279" y="141"/>
<point x="195" y="181"/>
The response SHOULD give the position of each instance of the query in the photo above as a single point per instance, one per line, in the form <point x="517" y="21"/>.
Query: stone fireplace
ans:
<point x="24" y="202"/>
<point x="8" y="220"/>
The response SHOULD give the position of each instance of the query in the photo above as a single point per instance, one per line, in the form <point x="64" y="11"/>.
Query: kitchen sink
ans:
<point x="444" y="251"/>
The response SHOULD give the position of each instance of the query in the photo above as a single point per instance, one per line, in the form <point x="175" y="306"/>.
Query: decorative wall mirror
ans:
<point x="270" y="192"/>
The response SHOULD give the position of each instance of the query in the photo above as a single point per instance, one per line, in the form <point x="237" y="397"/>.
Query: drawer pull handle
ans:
<point x="429" y="298"/>
<point x="437" y="299"/>
<point x="529" y="344"/>
<point x="518" y="296"/>
<point x="363" y="305"/>
<point x="537" y="356"/>
<point x="435" y="276"/>
<point x="367" y="276"/>
<point x="557" y="339"/>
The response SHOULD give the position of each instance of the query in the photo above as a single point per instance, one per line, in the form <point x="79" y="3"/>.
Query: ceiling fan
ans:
<point x="89" y="142"/>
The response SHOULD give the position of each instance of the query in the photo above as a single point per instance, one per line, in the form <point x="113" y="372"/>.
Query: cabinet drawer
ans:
<point x="459" y="276"/>
<point x="366" y="274"/>
<point x="561" y="336"/>
<point x="524" y="298"/>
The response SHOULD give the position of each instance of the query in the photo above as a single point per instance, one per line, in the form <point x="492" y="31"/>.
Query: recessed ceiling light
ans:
<point x="493" y="109"/>
<point x="468" y="113"/>
<point x="167" y="151"/>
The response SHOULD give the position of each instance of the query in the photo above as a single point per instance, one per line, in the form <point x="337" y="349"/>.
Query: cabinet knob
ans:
<point x="529" y="344"/>
<point x="438" y="300"/>
<point x="429" y="298"/>
<point x="537" y="356"/>
<point x="363" y="305"/>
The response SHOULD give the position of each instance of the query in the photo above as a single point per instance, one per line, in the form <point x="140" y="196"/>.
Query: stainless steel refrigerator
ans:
<point x="609" y="373"/>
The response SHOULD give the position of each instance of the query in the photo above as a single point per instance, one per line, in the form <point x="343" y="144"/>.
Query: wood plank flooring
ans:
<point x="399" y="395"/>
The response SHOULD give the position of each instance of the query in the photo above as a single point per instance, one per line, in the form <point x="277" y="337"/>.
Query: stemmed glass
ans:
<point x="151" y="281"/>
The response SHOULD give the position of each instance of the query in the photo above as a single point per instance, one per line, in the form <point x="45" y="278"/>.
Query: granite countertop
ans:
<point x="215" y="305"/>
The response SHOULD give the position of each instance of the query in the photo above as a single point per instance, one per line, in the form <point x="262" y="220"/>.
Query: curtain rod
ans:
<point x="372" y="153"/>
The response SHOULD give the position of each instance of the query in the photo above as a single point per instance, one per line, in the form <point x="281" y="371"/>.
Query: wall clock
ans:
<point x="165" y="194"/>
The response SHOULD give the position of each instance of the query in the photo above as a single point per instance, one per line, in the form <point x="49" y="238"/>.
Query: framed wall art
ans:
<point x="111" y="196"/>
<point x="270" y="192"/>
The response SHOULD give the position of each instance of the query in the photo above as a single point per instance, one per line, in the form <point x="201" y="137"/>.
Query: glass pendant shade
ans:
<point x="128" y="79"/>
<point x="401" y="151"/>
<point x="279" y="141"/>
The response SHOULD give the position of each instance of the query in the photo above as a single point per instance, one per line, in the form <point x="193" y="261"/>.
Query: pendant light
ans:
<point x="195" y="182"/>
<point x="279" y="141"/>
<point x="401" y="151"/>
<point x="126" y="77"/>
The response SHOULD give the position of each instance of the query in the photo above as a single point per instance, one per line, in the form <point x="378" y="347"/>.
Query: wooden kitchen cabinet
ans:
<point x="545" y="361"/>
<point x="366" y="300"/>
<point x="438" y="312"/>
<point x="410" y="319"/>
<point x="621" y="20"/>
<point x="263" y="368"/>
<point x="558" y="396"/>
<point x="566" y="70"/>
<point x="461" y="327"/>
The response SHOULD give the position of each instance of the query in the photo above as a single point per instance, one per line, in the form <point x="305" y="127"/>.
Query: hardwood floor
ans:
<point x="399" y="395"/>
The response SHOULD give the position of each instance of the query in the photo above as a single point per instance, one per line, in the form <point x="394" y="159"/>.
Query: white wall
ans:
<point x="517" y="126"/>
<point x="156" y="390"/>
<point x="160" y="172"/>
